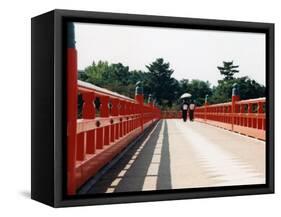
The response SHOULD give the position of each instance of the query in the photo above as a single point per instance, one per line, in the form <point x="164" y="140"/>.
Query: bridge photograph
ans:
<point x="151" y="109"/>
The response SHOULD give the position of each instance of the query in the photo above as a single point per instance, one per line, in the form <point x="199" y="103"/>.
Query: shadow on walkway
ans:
<point x="164" y="173"/>
<point x="146" y="166"/>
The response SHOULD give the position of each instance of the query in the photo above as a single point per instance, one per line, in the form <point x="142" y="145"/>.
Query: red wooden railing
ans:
<point x="94" y="140"/>
<point x="246" y="116"/>
<point x="243" y="116"/>
<point x="99" y="139"/>
<point x="171" y="114"/>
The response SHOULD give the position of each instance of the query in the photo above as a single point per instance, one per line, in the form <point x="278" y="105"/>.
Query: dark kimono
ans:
<point x="184" y="109"/>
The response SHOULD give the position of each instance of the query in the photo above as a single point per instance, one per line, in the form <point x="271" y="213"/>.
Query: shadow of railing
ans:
<point x="164" y="173"/>
<point x="142" y="163"/>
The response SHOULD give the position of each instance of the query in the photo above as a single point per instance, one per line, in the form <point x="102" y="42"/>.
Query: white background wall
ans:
<point x="15" y="106"/>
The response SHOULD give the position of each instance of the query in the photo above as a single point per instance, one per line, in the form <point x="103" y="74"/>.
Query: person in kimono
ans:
<point x="184" y="109"/>
<point x="191" y="110"/>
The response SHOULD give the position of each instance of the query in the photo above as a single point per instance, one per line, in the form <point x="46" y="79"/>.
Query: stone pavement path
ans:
<point x="186" y="155"/>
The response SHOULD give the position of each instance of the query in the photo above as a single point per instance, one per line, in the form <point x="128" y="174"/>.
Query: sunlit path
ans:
<point x="187" y="155"/>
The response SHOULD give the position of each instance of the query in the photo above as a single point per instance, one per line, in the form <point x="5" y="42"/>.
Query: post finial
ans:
<point x="206" y="98"/>
<point x="139" y="88"/>
<point x="70" y="35"/>
<point x="149" y="98"/>
<point x="235" y="89"/>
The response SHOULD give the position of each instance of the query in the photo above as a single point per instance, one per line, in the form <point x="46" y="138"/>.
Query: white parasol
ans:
<point x="185" y="95"/>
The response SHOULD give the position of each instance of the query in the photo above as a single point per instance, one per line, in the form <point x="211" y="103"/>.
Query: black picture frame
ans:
<point x="48" y="106"/>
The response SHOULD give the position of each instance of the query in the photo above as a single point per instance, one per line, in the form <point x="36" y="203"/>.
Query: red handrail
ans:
<point x="93" y="141"/>
<point x="99" y="139"/>
<point x="171" y="114"/>
<point x="242" y="116"/>
<point x="245" y="116"/>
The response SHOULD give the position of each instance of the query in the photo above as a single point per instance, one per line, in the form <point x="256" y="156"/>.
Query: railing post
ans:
<point x="121" y="113"/>
<point x="205" y="108"/>
<point x="261" y="122"/>
<point x="104" y="113"/>
<point x="71" y="108"/>
<point x="250" y="110"/>
<point x="89" y="112"/>
<point x="235" y="98"/>
<point x="149" y="100"/>
<point x="126" y="119"/>
<point x="130" y="112"/>
<point x="154" y="110"/>
<point x="114" y="126"/>
<point x="139" y="99"/>
<point x="150" y="103"/>
<point x="80" y="147"/>
<point x="134" y="112"/>
<point x="240" y="108"/>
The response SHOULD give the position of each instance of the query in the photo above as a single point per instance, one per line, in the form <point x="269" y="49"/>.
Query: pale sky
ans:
<point x="193" y="54"/>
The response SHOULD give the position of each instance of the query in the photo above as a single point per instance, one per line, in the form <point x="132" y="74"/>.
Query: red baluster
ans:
<point x="206" y="108"/>
<point x="104" y="113"/>
<point x="260" y="112"/>
<point x="250" y="108"/>
<point x="121" y="113"/>
<point x="81" y="147"/>
<point x="244" y="117"/>
<point x="114" y="113"/>
<point x="125" y="124"/>
<point x="139" y="98"/>
<point x="89" y="112"/>
<point x="117" y="135"/>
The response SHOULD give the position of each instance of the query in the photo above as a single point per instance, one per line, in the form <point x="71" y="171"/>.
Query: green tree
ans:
<point x="248" y="88"/>
<point x="160" y="83"/>
<point x="228" y="70"/>
<point x="96" y="73"/>
<point x="197" y="88"/>
<point x="82" y="75"/>
<point x="222" y="92"/>
<point x="115" y="77"/>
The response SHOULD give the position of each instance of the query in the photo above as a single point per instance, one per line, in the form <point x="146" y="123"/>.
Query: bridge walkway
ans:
<point x="186" y="155"/>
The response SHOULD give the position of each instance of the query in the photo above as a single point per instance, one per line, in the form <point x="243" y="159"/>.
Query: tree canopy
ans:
<point x="249" y="88"/>
<point x="158" y="80"/>
<point x="228" y="70"/>
<point x="160" y="83"/>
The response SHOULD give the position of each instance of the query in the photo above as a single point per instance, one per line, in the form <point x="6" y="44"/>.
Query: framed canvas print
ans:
<point x="134" y="108"/>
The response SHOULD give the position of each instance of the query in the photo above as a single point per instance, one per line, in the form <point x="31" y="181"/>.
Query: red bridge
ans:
<point x="170" y="153"/>
<point x="242" y="116"/>
<point x="100" y="135"/>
